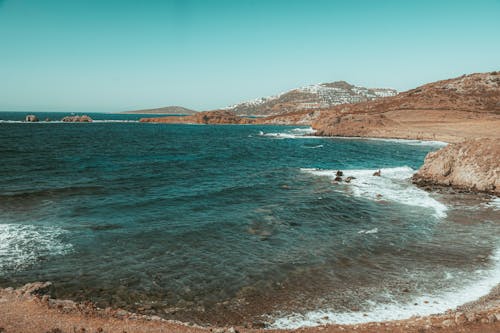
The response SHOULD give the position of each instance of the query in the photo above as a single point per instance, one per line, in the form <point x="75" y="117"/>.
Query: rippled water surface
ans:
<point x="235" y="224"/>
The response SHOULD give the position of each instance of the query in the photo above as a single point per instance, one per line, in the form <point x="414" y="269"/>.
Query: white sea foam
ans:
<point x="403" y="141"/>
<point x="414" y="142"/>
<point x="306" y="133"/>
<point x="494" y="203"/>
<point x="480" y="284"/>
<point x="371" y="231"/>
<point x="393" y="185"/>
<point x="313" y="147"/>
<point x="296" y="133"/>
<point x="22" y="245"/>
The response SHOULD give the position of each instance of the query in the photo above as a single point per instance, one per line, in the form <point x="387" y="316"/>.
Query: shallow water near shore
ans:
<point x="237" y="224"/>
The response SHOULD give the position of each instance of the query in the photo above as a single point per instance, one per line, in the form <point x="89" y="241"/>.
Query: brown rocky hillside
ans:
<point x="467" y="106"/>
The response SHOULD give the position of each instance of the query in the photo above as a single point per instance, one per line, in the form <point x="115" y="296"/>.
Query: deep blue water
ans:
<point x="57" y="116"/>
<point x="228" y="223"/>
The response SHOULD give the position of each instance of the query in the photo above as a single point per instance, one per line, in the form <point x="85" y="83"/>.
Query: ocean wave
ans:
<point x="494" y="203"/>
<point x="295" y="133"/>
<point x="403" y="141"/>
<point x="313" y="147"/>
<point x="306" y="133"/>
<point x="393" y="185"/>
<point x="481" y="283"/>
<point x="22" y="245"/>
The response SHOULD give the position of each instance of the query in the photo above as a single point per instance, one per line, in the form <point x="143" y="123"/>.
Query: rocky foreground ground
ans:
<point x="28" y="310"/>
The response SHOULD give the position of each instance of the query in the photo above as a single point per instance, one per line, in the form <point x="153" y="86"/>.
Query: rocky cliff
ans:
<point x="471" y="165"/>
<point x="312" y="97"/>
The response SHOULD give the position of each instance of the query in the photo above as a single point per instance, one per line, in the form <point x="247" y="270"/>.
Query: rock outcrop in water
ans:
<point x="208" y="117"/>
<point x="31" y="118"/>
<point x="471" y="165"/>
<point x="77" y="119"/>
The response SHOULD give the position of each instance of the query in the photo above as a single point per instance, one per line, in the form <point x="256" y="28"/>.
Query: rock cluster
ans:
<point x="31" y="118"/>
<point x="77" y="119"/>
<point x="472" y="165"/>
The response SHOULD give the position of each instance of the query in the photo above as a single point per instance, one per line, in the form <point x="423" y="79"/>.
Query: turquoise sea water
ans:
<point x="234" y="224"/>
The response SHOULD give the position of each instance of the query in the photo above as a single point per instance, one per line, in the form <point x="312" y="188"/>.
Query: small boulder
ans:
<point x="338" y="179"/>
<point x="460" y="318"/>
<point x="339" y="173"/>
<point x="448" y="323"/>
<point x="348" y="179"/>
<point x="31" y="118"/>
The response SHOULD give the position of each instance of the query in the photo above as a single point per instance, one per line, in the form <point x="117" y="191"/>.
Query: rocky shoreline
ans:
<point x="28" y="310"/>
<point x="472" y="165"/>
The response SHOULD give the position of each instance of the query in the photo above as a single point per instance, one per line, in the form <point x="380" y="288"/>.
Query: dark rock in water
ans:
<point x="77" y="119"/>
<point x="338" y="179"/>
<point x="348" y="179"/>
<point x="377" y="173"/>
<point x="31" y="118"/>
<point x="339" y="173"/>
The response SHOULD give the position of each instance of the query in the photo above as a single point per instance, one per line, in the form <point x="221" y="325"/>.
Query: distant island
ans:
<point x="164" y="110"/>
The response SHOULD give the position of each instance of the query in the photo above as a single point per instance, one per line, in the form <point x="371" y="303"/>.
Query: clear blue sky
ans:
<point x="98" y="55"/>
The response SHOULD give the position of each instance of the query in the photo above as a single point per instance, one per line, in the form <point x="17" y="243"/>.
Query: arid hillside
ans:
<point x="449" y="110"/>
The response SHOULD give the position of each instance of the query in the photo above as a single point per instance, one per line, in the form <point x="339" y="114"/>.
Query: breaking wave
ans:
<point x="393" y="185"/>
<point x="23" y="245"/>
<point x="480" y="284"/>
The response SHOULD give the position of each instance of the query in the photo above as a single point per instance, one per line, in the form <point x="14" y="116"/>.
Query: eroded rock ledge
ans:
<point x="472" y="165"/>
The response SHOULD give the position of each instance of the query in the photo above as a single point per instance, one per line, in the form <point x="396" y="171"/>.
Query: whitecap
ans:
<point x="424" y="305"/>
<point x="371" y="231"/>
<point x="22" y="245"/>
<point x="494" y="203"/>
<point x="304" y="131"/>
<point x="295" y="133"/>
<point x="393" y="185"/>
<point x="313" y="147"/>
